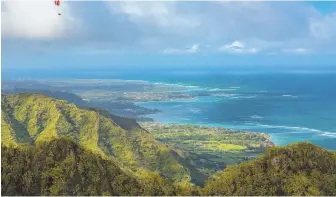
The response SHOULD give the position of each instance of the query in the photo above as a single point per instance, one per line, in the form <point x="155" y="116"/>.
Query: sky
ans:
<point x="167" y="34"/>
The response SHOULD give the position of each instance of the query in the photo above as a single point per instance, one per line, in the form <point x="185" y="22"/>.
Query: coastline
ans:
<point x="214" y="127"/>
<point x="251" y="108"/>
<point x="210" y="148"/>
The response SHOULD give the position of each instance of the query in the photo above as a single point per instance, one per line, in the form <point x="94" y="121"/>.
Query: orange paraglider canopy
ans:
<point x="57" y="3"/>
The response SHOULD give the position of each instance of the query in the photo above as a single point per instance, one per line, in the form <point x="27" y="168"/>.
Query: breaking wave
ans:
<point x="304" y="129"/>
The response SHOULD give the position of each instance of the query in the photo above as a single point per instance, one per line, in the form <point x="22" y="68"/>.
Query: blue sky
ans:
<point x="168" y="34"/>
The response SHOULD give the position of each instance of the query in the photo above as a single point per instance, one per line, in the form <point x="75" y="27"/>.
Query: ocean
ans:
<point x="291" y="107"/>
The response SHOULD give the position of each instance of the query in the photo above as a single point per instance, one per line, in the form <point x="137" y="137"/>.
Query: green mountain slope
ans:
<point x="36" y="118"/>
<point x="300" y="169"/>
<point x="125" y="123"/>
<point x="60" y="167"/>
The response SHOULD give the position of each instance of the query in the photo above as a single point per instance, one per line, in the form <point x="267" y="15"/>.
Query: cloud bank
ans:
<point x="172" y="27"/>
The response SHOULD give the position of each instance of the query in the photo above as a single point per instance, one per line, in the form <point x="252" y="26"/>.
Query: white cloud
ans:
<point x="297" y="50"/>
<point x="162" y="14"/>
<point x="193" y="49"/>
<point x="35" y="19"/>
<point x="323" y="28"/>
<point x="238" y="47"/>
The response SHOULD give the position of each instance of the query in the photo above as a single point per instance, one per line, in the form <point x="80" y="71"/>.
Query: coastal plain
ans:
<point x="210" y="148"/>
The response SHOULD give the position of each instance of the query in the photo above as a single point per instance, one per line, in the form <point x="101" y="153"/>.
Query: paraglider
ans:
<point x="57" y="3"/>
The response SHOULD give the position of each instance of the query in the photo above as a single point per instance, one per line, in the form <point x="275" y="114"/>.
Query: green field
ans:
<point x="218" y="146"/>
<point x="210" y="148"/>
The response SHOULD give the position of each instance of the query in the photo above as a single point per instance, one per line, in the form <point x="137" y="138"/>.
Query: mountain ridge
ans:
<point x="41" y="118"/>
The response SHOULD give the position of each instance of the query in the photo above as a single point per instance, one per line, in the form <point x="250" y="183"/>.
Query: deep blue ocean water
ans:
<point x="290" y="107"/>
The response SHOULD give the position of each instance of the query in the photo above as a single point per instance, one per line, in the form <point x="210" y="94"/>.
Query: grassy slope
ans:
<point x="35" y="118"/>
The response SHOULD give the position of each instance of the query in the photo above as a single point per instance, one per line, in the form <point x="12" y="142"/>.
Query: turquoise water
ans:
<point x="290" y="107"/>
